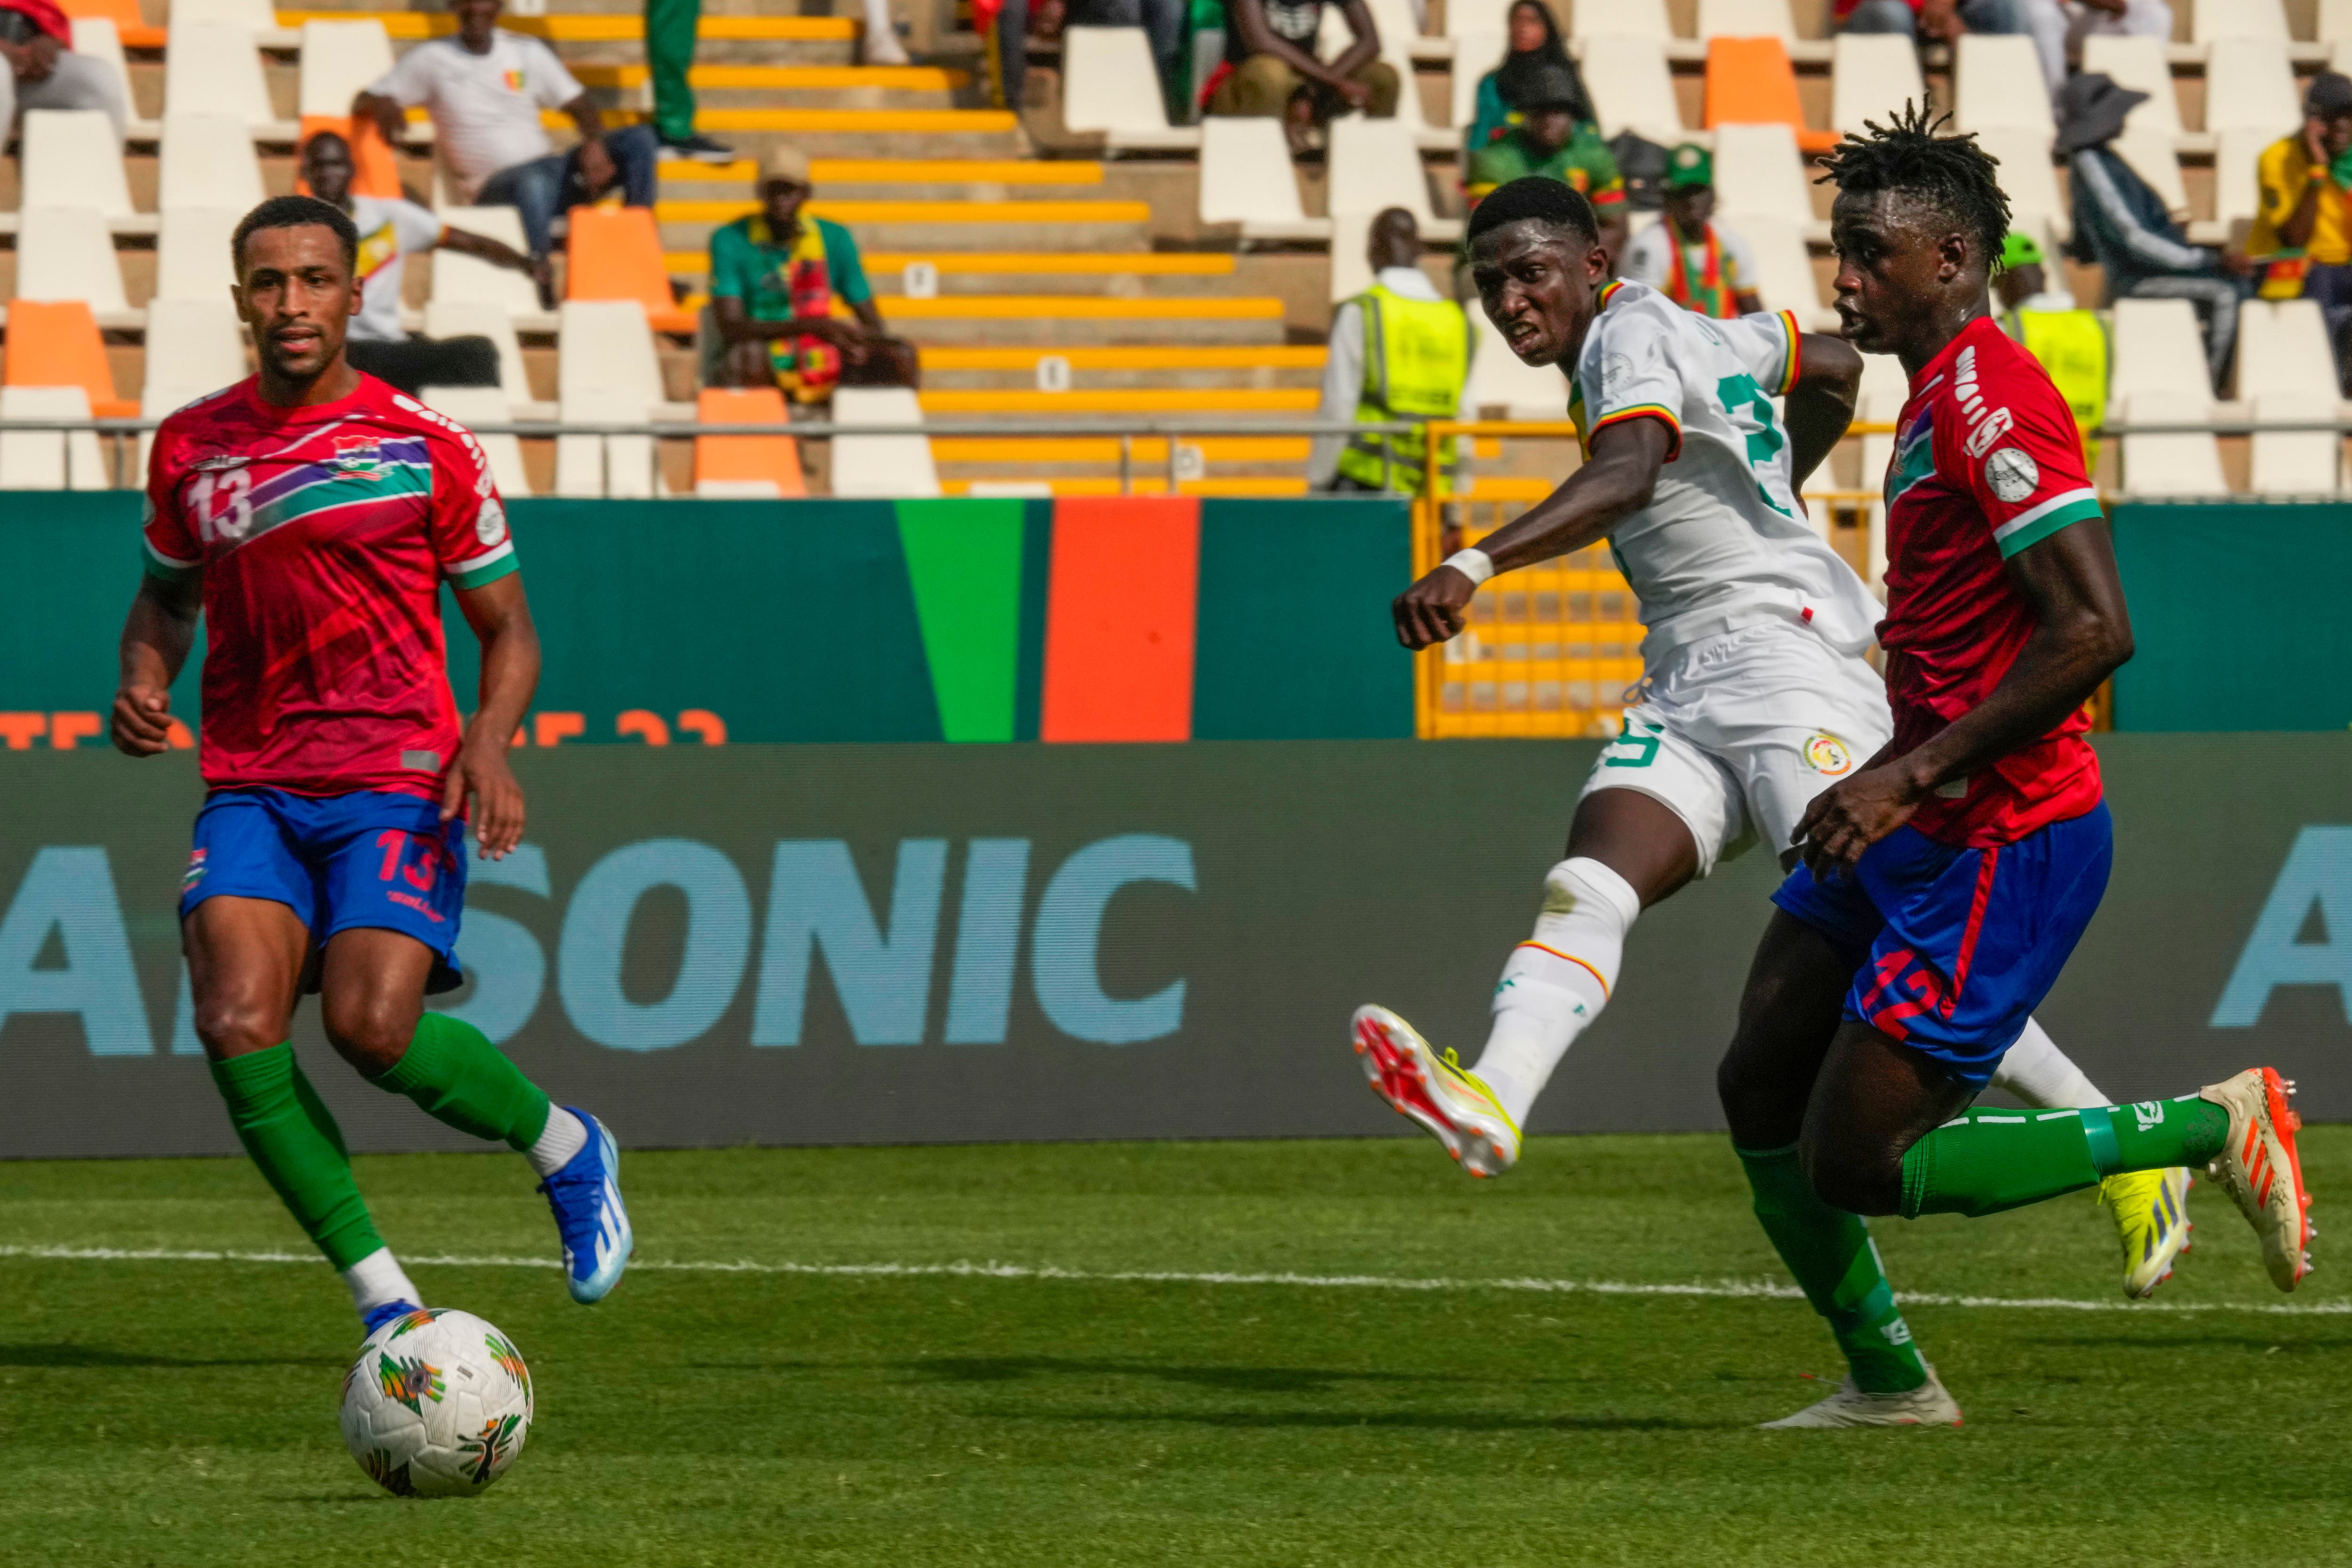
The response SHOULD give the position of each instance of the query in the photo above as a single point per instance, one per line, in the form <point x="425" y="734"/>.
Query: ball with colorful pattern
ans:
<point x="437" y="1405"/>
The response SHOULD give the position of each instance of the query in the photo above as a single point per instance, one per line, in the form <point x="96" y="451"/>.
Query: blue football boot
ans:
<point x="375" y="1318"/>
<point x="589" y="1216"/>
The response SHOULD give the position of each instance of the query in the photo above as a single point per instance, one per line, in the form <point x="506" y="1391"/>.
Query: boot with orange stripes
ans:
<point x="2259" y="1168"/>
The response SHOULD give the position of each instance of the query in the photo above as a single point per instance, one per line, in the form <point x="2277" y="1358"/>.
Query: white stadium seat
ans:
<point x="2296" y="461"/>
<point x="590" y="466"/>
<point x="1759" y="173"/>
<point x="1374" y="166"/>
<point x="894" y="466"/>
<point x="472" y="318"/>
<point x="48" y="459"/>
<point x="254" y="16"/>
<point x="470" y="406"/>
<point x="2214" y="20"/>
<point x="192" y="253"/>
<point x="67" y="252"/>
<point x="208" y="161"/>
<point x="1475" y="53"/>
<point x="608" y="374"/>
<point x="2141" y="65"/>
<point x="2336" y="26"/>
<point x="94" y="38"/>
<point x="1872" y="75"/>
<point x="2152" y="155"/>
<point x="2030" y="181"/>
<point x="212" y="70"/>
<point x="2000" y="85"/>
<point x="2237" y="189"/>
<point x="2188" y="464"/>
<point x="2250" y="86"/>
<point x="1246" y="178"/>
<point x="71" y="159"/>
<point x="1623" y="19"/>
<point x="1351" y="273"/>
<point x="2160" y="350"/>
<point x="193" y="347"/>
<point x="458" y="278"/>
<point x="1476" y="19"/>
<point x="2283" y="350"/>
<point x="1631" y="89"/>
<point x="1744" y="20"/>
<point x="340" y="58"/>
<point x="1784" y="268"/>
<point x="1110" y="86"/>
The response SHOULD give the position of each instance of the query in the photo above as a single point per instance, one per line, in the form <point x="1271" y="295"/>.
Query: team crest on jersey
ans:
<point x="1827" y="754"/>
<point x="358" y="457"/>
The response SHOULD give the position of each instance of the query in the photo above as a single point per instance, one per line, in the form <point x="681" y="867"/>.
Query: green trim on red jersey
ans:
<point x="163" y="569"/>
<point x="2030" y="528"/>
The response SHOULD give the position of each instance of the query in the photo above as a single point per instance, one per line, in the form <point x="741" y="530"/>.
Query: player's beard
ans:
<point x="314" y="358"/>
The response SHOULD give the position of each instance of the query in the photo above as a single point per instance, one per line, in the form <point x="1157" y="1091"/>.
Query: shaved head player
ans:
<point x="310" y="514"/>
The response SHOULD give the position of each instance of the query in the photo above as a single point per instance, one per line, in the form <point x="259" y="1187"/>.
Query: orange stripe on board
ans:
<point x="1119" y="605"/>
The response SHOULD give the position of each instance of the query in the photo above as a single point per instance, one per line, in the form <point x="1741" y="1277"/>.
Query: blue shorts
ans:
<point x="371" y="858"/>
<point x="1963" y="943"/>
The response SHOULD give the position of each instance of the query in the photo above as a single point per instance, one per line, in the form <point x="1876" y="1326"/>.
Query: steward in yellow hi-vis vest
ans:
<point x="1416" y="359"/>
<point x="2069" y="342"/>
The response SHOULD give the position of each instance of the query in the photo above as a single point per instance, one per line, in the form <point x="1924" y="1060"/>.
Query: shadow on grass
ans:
<point x="1239" y="1379"/>
<point x="96" y="1355"/>
<point x="1413" y="1421"/>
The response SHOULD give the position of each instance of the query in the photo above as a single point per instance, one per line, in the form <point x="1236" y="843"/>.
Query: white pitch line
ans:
<point x="1721" y="1290"/>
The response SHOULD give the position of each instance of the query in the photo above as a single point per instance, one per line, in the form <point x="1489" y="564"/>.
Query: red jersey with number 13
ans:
<point x="1986" y="462"/>
<point x="321" y="535"/>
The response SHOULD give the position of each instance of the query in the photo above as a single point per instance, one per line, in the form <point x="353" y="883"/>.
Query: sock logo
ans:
<point x="1897" y="1333"/>
<point x="2149" y="1113"/>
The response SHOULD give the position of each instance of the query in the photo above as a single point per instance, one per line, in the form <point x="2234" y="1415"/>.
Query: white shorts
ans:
<point x="1736" y="733"/>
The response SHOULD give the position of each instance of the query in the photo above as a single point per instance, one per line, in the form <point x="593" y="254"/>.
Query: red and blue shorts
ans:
<point x="1962" y="944"/>
<point x="371" y="858"/>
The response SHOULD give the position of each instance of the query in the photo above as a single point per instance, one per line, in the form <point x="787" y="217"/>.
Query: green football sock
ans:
<point x="1836" y="1265"/>
<point x="288" y="1131"/>
<point x="453" y="1071"/>
<point x="1987" y="1161"/>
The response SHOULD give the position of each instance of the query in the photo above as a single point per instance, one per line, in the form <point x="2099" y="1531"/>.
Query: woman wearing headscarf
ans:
<point x="1535" y="50"/>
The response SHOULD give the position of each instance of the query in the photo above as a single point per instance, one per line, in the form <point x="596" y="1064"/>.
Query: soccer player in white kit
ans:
<point x="1755" y="694"/>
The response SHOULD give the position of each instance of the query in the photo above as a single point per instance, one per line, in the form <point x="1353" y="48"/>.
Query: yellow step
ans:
<point x="1169" y="263"/>
<point x="972" y="122"/>
<point x="1214" y="357"/>
<point x="898" y="79"/>
<point x="1144" y="486"/>
<point x="1083" y="307"/>
<point x="1104" y="449"/>
<point x="1127" y="400"/>
<point x="591" y="29"/>
<point x="922" y="212"/>
<point x="900" y="171"/>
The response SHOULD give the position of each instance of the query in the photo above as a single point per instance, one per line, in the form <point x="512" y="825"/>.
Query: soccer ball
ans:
<point x="437" y="1405"/>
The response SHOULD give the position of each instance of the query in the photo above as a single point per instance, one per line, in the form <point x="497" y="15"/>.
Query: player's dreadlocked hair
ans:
<point x="1951" y="173"/>
<point x="1542" y="198"/>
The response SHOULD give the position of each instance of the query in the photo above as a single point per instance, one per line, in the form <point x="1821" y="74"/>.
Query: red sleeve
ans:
<point x="2015" y="440"/>
<point x="470" y="540"/>
<point x="175" y="553"/>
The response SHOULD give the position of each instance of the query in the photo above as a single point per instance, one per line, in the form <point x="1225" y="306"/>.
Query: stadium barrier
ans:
<point x="876" y="944"/>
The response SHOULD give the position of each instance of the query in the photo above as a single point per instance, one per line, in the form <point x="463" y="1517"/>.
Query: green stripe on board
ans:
<point x="964" y="558"/>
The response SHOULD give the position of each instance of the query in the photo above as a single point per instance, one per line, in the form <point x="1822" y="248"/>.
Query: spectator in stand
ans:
<point x="2059" y="27"/>
<point x="775" y="276"/>
<point x="1271" y="70"/>
<point x="671" y="26"/>
<point x="1551" y="141"/>
<point x="2121" y="223"/>
<point x="1695" y="261"/>
<point x="1399" y="351"/>
<point x="2302" y="228"/>
<point x="484" y="87"/>
<point x="2069" y="341"/>
<point x="1929" y="21"/>
<point x="1535" y="53"/>
<point x="391" y="231"/>
<point x="43" y="70"/>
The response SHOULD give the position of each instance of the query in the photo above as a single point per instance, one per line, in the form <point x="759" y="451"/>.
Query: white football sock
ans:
<point x="1555" y="983"/>
<point x="565" y="1135"/>
<point x="2044" y="1076"/>
<point x="882" y="45"/>
<point x="375" y="1281"/>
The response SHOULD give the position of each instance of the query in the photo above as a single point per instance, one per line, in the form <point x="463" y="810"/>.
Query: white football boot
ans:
<point x="2260" y="1168"/>
<point x="1458" y="1110"/>
<point x="1926" y="1406"/>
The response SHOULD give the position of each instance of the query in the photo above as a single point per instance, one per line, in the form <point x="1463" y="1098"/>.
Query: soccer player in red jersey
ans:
<point x="1944" y="883"/>
<point x="311" y="513"/>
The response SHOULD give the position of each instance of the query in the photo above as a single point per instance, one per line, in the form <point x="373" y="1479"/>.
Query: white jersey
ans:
<point x="1724" y="542"/>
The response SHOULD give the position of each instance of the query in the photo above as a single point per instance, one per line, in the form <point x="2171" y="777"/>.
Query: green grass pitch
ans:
<point x="182" y="1412"/>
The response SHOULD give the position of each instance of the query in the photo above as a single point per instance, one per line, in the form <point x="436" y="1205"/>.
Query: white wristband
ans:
<point x="1472" y="564"/>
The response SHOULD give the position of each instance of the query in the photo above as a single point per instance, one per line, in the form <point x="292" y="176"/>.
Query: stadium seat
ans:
<point x="1479" y="18"/>
<point x="212" y="70"/>
<point x="2213" y="20"/>
<point x="67" y="252"/>
<point x="2030" y="181"/>
<point x="48" y="459"/>
<point x="752" y="466"/>
<point x="2188" y="464"/>
<point x="254" y="16"/>
<point x="1375" y="165"/>
<point x="619" y="468"/>
<point x="1351" y="274"/>
<point x="55" y="343"/>
<point x="376" y="172"/>
<point x="129" y="27"/>
<point x="1500" y="380"/>
<point x="459" y="278"/>
<point x="193" y="347"/>
<point x="95" y="38"/>
<point x="1746" y="19"/>
<point x="615" y="253"/>
<point x="2236" y="186"/>
<point x="192" y="253"/>
<point x="208" y="161"/>
<point x="2250" y="86"/>
<point x="894" y="466"/>
<point x="2335" y="29"/>
<point x="1631" y="86"/>
<point x="1749" y="81"/>
<point x="2283" y="350"/>
<point x="71" y="159"/>
<point x="1784" y="268"/>
<point x="2154" y="156"/>
<point x="1475" y="53"/>
<point x="472" y="406"/>
<point x="1623" y="19"/>
<point x="1872" y="75"/>
<point x="1999" y="85"/>
<point x="1110" y="85"/>
<point x="1246" y="178"/>
<point x="339" y="59"/>
<point x="608" y="374"/>
<point x="2141" y="65"/>
<point x="2158" y="351"/>
<point x="2295" y="462"/>
<point x="473" y="318"/>
<point x="1758" y="172"/>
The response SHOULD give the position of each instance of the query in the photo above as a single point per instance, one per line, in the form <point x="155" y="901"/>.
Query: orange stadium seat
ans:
<point x="129" y="25"/>
<point x="374" y="170"/>
<point x="55" y="343"/>
<point x="615" y="253"/>
<point x="747" y="466"/>
<point x="1751" y="82"/>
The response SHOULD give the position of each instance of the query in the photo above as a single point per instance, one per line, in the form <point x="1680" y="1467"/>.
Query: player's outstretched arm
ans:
<point x="1614" y="483"/>
<point x="1821" y="406"/>
<point x="2081" y="635"/>
<point x="501" y="617"/>
<point x="156" y="637"/>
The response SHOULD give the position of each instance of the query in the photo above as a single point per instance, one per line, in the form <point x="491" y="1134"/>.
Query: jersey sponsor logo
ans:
<point x="1827" y="754"/>
<point x="1997" y="423"/>
<point x="2012" y="474"/>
